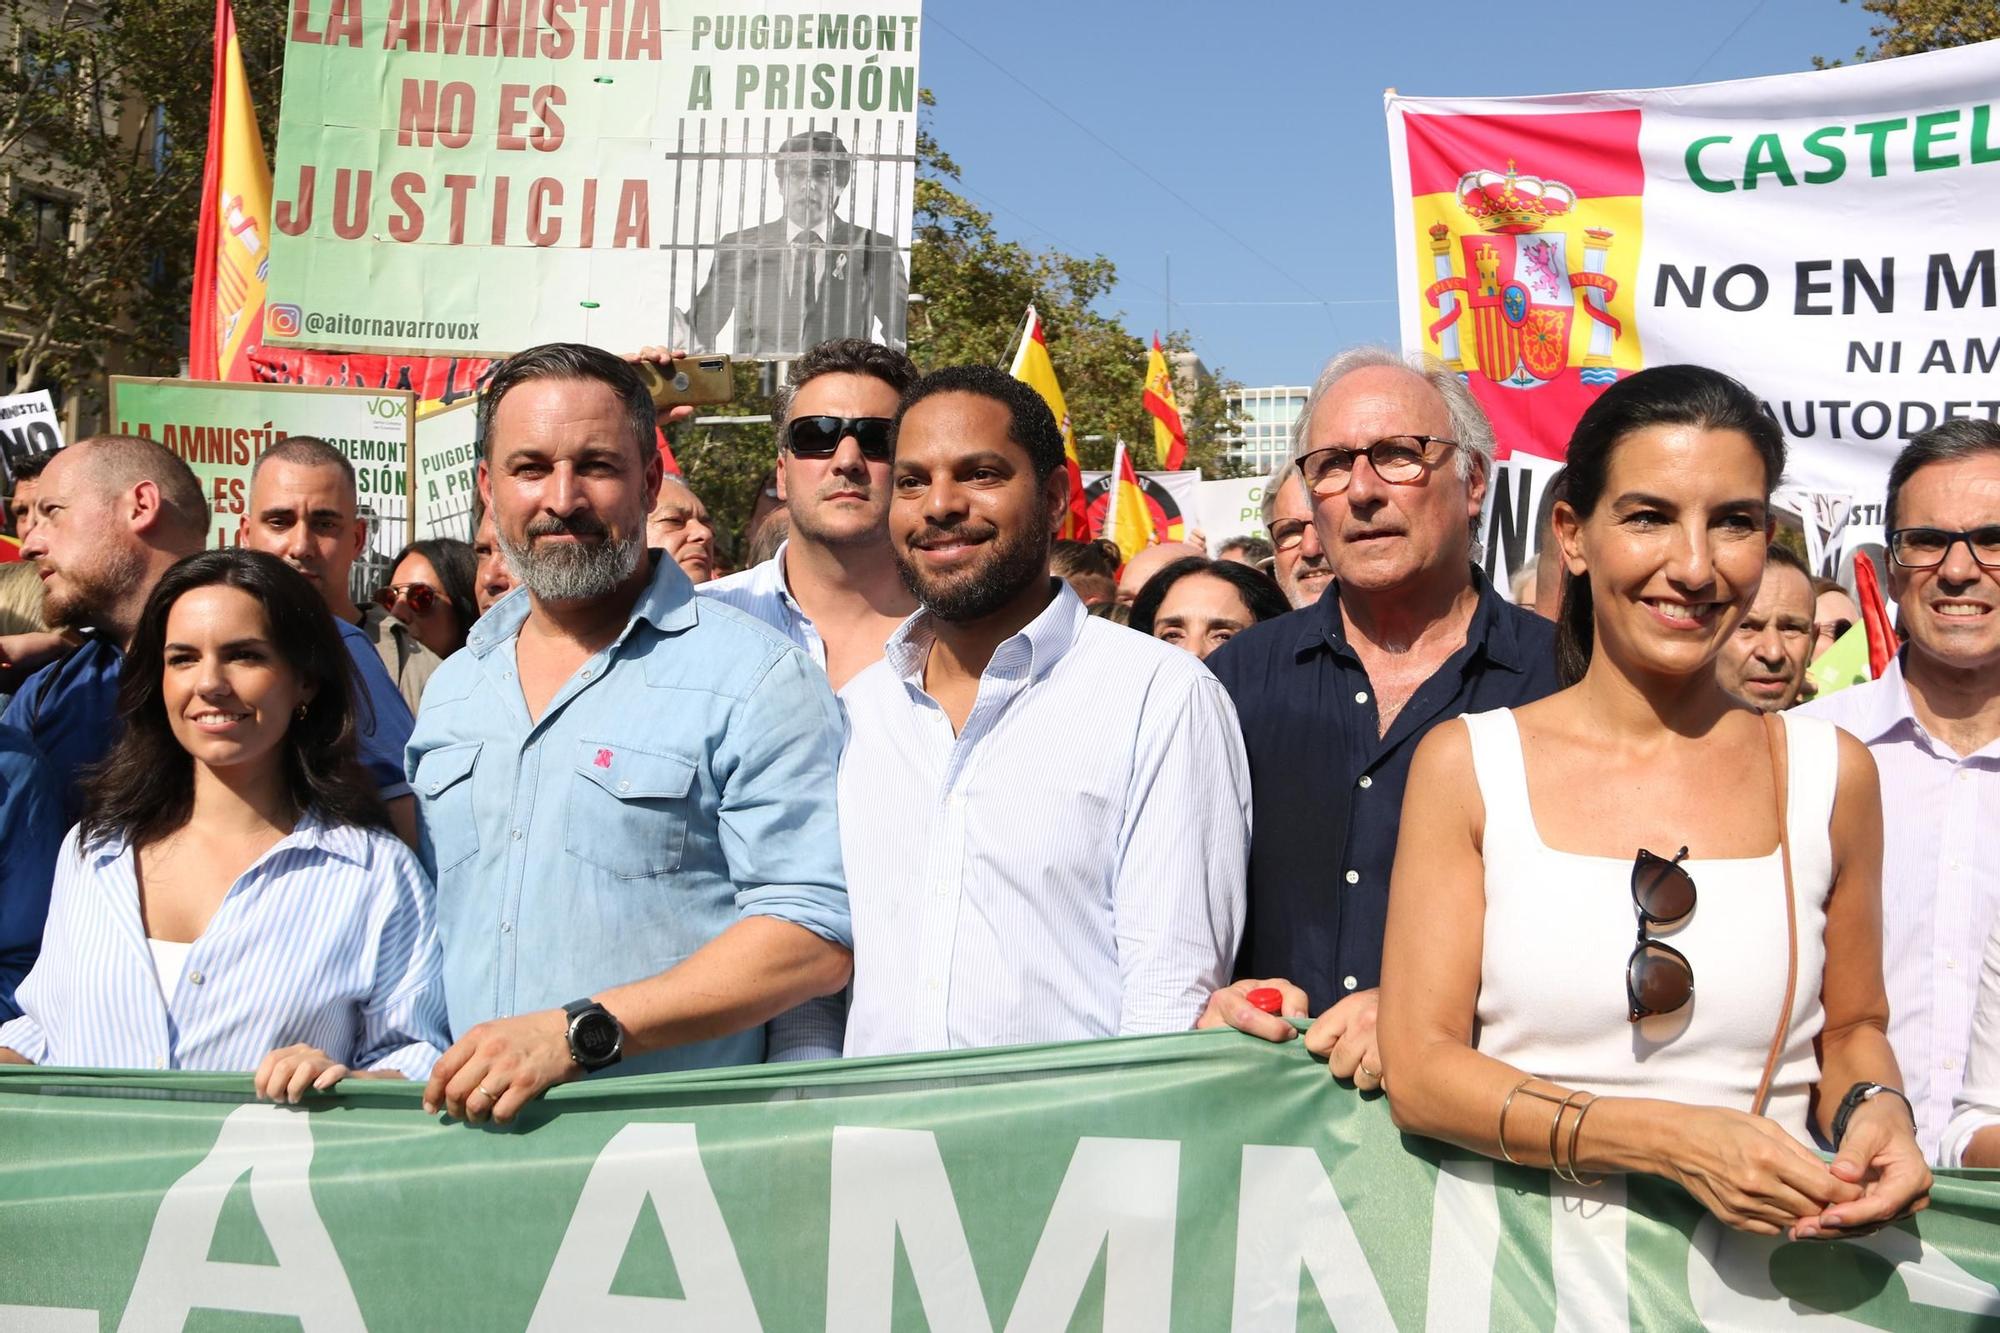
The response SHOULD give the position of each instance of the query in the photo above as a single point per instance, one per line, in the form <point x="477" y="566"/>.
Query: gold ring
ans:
<point x="1364" y="1069"/>
<point x="489" y="1096"/>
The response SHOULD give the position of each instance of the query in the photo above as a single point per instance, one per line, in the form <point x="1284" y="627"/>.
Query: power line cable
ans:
<point x="1741" y="24"/>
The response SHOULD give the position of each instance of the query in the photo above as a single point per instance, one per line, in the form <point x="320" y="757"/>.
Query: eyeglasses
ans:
<point x="421" y="596"/>
<point x="1287" y="533"/>
<point x="1397" y="459"/>
<point x="1832" y="630"/>
<point x="1926" y="548"/>
<point x="1658" y="977"/>
<point x="820" y="437"/>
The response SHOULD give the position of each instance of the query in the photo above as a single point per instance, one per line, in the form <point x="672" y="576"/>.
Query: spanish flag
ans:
<point x="1169" y="436"/>
<point x="233" y="243"/>
<point x="1033" y="367"/>
<point x="1128" y="519"/>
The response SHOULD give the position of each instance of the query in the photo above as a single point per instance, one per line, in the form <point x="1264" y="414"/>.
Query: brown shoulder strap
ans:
<point x="1774" y="734"/>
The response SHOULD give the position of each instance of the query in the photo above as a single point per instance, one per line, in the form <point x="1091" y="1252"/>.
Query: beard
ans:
<point x="81" y="597"/>
<point x="1006" y="566"/>
<point x="573" y="571"/>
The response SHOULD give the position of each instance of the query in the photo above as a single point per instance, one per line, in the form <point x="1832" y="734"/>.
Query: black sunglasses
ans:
<point x="1658" y="977"/>
<point x="820" y="437"/>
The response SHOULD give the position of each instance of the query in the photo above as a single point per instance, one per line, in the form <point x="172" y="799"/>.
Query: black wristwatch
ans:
<point x="595" y="1039"/>
<point x="1856" y="1095"/>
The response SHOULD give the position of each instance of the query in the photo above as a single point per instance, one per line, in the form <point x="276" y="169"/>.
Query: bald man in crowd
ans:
<point x="112" y="513"/>
<point x="1148" y="562"/>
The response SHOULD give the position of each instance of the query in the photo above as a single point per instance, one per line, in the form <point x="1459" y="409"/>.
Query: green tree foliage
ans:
<point x="1907" y="27"/>
<point x="104" y="127"/>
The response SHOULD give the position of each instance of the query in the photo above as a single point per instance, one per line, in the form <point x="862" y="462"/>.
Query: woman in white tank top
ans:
<point x="1593" y="928"/>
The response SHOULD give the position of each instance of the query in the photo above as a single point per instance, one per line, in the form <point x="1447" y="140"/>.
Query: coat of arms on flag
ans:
<point x="1528" y="239"/>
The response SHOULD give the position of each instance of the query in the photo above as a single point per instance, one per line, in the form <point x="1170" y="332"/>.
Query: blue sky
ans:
<point x="1266" y="120"/>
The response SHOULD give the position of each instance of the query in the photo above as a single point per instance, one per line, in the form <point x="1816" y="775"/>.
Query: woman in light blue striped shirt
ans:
<point x="234" y="899"/>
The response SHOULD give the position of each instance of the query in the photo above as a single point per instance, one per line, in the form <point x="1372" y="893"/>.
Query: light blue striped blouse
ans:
<point x="328" y="939"/>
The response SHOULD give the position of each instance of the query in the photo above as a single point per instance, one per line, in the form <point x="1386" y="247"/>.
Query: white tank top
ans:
<point x="1560" y="925"/>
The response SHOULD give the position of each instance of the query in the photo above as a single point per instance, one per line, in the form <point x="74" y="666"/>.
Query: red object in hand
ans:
<point x="1266" y="998"/>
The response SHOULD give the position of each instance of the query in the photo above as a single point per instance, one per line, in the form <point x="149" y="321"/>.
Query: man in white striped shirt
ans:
<point x="1932" y="721"/>
<point x="832" y="587"/>
<point x="1044" y="816"/>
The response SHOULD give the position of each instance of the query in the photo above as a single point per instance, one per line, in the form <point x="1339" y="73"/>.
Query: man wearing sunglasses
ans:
<point x="1333" y="698"/>
<point x="832" y="587"/>
<point x="1932" y="721"/>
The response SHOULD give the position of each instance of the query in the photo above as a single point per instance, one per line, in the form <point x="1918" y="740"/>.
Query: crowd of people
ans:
<point x="923" y="778"/>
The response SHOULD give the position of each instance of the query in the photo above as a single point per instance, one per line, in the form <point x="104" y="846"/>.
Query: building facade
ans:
<point x="1265" y="418"/>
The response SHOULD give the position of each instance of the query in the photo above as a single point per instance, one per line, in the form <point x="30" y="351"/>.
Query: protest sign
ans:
<point x="29" y="428"/>
<point x="1824" y="237"/>
<point x="1173" y="497"/>
<point x="437" y="381"/>
<point x="219" y="429"/>
<point x="447" y="454"/>
<point x="731" y="175"/>
<point x="1196" y="1181"/>
<point x="1231" y="508"/>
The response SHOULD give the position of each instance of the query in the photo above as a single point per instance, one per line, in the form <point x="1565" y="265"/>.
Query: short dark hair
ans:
<point x="308" y="451"/>
<point x="119" y="461"/>
<point x="1067" y="559"/>
<point x="1778" y="553"/>
<point x="457" y="568"/>
<point x="29" y="467"/>
<point x="571" y="361"/>
<point x="1961" y="437"/>
<point x="845" y="356"/>
<point x="1030" y="424"/>
<point x="144" y="789"/>
<point x="1257" y="589"/>
<point x="1822" y="586"/>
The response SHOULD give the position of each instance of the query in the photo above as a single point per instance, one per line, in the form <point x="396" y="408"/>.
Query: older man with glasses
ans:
<point x="1298" y="562"/>
<point x="1393" y="458"/>
<point x="1932" y="721"/>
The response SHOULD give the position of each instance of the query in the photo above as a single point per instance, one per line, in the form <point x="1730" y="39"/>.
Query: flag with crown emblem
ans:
<point x="1824" y="237"/>
<point x="1169" y="435"/>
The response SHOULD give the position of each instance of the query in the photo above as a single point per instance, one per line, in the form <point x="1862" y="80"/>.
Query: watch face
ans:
<point x="596" y="1036"/>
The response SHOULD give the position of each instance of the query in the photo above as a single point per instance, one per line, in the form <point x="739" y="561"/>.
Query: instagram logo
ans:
<point x="283" y="321"/>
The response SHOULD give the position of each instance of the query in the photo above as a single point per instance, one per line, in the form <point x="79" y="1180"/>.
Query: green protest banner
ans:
<point x="1200" y="1181"/>
<point x="478" y="176"/>
<point x="446" y="473"/>
<point x="221" y="428"/>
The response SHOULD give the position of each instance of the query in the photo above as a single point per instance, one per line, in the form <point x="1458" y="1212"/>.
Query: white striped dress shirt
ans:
<point x="1940" y="886"/>
<point x="328" y="939"/>
<point x="1069" y="866"/>
<point x="761" y="591"/>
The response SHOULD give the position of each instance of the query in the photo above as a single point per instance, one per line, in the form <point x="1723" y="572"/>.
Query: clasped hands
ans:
<point x="1343" y="1036"/>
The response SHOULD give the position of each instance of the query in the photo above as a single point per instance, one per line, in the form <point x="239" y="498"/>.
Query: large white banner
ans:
<point x="472" y="178"/>
<point x="1828" y="238"/>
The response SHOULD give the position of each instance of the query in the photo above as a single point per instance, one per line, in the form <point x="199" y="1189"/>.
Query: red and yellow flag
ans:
<point x="1169" y="436"/>
<point x="1128" y="520"/>
<point x="233" y="243"/>
<point x="1033" y="368"/>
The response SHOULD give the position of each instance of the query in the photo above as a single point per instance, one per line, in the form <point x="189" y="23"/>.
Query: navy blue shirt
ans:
<point x="1327" y="789"/>
<point x="70" y="711"/>
<point x="31" y="836"/>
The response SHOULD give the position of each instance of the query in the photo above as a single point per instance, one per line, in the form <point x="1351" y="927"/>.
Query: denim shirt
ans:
<point x="682" y="779"/>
